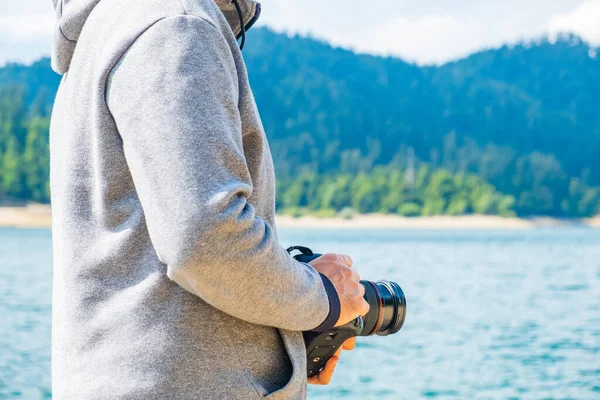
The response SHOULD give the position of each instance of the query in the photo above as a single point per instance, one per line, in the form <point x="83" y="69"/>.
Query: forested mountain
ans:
<point x="26" y="96"/>
<point x="522" y="121"/>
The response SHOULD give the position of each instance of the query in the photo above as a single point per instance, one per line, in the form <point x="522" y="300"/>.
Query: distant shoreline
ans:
<point x="380" y="221"/>
<point x="40" y="216"/>
<point x="29" y="216"/>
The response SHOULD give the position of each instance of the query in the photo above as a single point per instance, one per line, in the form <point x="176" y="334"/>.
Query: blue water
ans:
<point x="492" y="314"/>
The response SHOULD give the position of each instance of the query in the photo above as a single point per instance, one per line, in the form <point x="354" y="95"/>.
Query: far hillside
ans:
<point x="508" y="130"/>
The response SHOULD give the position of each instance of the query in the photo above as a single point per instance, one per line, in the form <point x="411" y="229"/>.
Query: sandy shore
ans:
<point x="593" y="222"/>
<point x="435" y="222"/>
<point x="39" y="216"/>
<point x="31" y="216"/>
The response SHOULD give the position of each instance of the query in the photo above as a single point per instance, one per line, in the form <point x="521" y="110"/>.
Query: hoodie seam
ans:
<point x="187" y="14"/>
<point x="135" y="39"/>
<point x="59" y="24"/>
<point x="62" y="33"/>
<point x="111" y="70"/>
<point x="59" y="13"/>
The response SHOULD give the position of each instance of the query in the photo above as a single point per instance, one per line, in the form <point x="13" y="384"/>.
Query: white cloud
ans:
<point x="430" y="39"/>
<point x="26" y="30"/>
<point x="426" y="39"/>
<point x="22" y="27"/>
<point x="584" y="21"/>
<point x="431" y="31"/>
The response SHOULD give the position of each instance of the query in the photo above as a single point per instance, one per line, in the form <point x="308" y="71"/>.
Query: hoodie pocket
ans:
<point x="266" y="358"/>
<point x="295" y="388"/>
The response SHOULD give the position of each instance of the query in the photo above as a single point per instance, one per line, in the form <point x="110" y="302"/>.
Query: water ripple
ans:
<point x="492" y="315"/>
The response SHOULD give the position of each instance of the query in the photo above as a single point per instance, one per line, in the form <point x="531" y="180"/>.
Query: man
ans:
<point x="169" y="282"/>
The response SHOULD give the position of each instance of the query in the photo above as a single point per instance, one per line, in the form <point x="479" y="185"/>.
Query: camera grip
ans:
<point x="321" y="346"/>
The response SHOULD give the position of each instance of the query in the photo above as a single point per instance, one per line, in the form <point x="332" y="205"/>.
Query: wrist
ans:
<point x="334" y="306"/>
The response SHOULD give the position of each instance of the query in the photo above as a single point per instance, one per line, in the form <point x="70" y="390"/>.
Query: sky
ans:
<point x="421" y="31"/>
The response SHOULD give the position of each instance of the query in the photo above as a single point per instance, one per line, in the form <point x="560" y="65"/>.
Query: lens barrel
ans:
<point x="388" y="308"/>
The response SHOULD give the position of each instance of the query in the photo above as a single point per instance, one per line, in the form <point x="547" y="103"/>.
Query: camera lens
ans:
<point x="388" y="308"/>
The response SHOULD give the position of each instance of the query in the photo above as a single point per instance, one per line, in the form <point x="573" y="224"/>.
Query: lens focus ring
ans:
<point x="394" y="304"/>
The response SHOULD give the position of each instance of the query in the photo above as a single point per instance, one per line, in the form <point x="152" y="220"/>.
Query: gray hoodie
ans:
<point x="169" y="282"/>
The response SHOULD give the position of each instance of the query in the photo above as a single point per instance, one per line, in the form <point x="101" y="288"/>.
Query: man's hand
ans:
<point x="338" y="268"/>
<point x="345" y="279"/>
<point x="324" y="377"/>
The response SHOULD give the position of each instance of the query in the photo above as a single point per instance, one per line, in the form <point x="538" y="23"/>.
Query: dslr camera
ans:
<point x="385" y="317"/>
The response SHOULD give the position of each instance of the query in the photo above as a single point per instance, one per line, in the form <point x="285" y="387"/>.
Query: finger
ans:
<point x="339" y="351"/>
<point x="354" y="288"/>
<point x="363" y="307"/>
<point x="327" y="373"/>
<point x="349" y="344"/>
<point x="346" y="259"/>
<point x="355" y="275"/>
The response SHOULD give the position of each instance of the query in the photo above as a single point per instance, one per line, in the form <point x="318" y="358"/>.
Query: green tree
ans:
<point x="12" y="174"/>
<point x="35" y="161"/>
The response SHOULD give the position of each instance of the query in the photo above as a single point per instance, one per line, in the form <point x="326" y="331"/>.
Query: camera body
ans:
<point x="386" y="316"/>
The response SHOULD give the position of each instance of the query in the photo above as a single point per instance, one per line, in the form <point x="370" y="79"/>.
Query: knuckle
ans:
<point x="344" y="273"/>
<point x="348" y="260"/>
<point x="347" y="272"/>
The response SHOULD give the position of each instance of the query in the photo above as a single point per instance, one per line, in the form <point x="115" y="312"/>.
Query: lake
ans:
<point x="491" y="314"/>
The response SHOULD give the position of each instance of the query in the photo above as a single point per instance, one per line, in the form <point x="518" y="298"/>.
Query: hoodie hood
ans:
<point x="71" y="16"/>
<point x="250" y="13"/>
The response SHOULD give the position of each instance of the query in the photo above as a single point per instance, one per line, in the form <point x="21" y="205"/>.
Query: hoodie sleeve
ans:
<point x="174" y="98"/>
